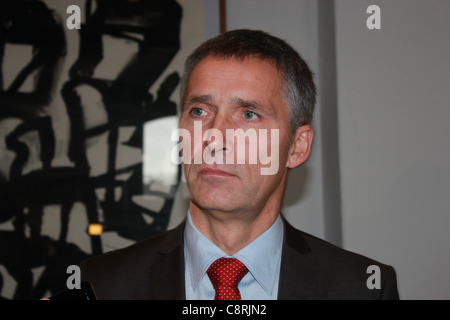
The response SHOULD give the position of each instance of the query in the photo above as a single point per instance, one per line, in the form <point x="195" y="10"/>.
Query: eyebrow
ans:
<point x="199" y="99"/>
<point x="251" y="104"/>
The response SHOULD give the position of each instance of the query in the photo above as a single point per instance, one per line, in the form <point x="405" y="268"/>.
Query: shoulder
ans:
<point x="121" y="258"/>
<point x="334" y="255"/>
<point x="322" y="251"/>
<point x="342" y="274"/>
<point x="116" y="274"/>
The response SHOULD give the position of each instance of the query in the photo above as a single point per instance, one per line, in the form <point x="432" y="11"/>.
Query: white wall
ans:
<point x="393" y="118"/>
<point x="394" y="129"/>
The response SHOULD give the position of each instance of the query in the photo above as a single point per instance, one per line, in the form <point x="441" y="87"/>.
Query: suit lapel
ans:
<point x="167" y="273"/>
<point x="299" y="273"/>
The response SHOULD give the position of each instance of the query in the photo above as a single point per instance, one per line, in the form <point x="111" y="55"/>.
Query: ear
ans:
<point x="301" y="146"/>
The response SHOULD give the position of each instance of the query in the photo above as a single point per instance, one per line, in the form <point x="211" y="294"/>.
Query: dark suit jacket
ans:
<point x="311" y="268"/>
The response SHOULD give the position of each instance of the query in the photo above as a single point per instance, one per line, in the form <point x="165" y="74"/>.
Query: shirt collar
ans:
<point x="254" y="256"/>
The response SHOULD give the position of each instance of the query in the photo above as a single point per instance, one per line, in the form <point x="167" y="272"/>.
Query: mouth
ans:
<point x="215" y="172"/>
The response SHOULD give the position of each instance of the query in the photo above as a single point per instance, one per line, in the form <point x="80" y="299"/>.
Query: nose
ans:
<point x="215" y="138"/>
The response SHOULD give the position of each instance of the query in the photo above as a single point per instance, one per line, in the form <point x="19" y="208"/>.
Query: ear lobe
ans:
<point x="301" y="146"/>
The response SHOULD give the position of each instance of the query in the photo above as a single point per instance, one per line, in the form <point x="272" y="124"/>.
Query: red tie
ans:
<point x="225" y="275"/>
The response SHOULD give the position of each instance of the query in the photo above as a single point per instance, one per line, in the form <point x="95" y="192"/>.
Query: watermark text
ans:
<point x="235" y="146"/>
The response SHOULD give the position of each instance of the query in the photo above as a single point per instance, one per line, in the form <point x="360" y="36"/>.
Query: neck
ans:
<point x="232" y="231"/>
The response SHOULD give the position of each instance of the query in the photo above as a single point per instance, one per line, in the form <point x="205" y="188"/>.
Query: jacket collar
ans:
<point x="169" y="266"/>
<point x="299" y="272"/>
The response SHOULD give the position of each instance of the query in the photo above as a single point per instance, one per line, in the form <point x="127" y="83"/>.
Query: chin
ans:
<point x="214" y="200"/>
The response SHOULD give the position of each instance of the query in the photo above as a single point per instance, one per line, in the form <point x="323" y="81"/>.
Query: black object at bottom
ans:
<point x="85" y="293"/>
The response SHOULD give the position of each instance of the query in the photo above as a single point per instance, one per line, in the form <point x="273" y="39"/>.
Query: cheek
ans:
<point x="192" y="141"/>
<point x="186" y="170"/>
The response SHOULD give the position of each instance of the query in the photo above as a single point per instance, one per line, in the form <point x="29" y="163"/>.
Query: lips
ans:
<point x="215" y="172"/>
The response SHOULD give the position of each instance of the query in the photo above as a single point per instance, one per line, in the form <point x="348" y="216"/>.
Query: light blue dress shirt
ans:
<point x="262" y="257"/>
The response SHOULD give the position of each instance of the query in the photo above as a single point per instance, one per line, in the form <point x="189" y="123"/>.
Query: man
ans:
<point x="245" y="80"/>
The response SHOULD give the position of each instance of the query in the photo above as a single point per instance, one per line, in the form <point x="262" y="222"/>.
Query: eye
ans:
<point x="250" y="115"/>
<point x="198" y="112"/>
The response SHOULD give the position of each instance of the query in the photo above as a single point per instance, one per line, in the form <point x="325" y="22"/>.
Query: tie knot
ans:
<point x="225" y="275"/>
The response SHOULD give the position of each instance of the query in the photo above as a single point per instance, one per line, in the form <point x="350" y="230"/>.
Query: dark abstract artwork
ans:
<point x="31" y="178"/>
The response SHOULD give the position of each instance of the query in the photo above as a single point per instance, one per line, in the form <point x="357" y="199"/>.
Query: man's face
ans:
<point x="233" y="94"/>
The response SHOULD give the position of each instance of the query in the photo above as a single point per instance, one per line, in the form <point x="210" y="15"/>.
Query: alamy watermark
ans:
<point x="258" y="145"/>
<point x="374" y="281"/>
<point x="74" y="280"/>
<point x="74" y="21"/>
<point x="373" y="22"/>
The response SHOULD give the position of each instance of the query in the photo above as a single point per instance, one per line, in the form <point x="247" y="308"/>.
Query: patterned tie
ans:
<point x="225" y="275"/>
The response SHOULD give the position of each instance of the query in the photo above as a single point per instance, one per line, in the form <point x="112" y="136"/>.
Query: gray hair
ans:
<point x="300" y="90"/>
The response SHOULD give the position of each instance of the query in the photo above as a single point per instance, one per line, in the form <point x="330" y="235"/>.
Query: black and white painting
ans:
<point x="86" y="117"/>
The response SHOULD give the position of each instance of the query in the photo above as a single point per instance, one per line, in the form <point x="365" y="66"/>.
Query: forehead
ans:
<point x="228" y="80"/>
